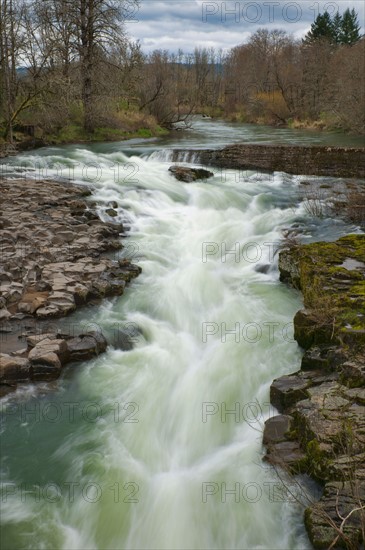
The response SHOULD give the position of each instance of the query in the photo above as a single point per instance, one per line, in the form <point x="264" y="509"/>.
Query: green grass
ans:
<point x="72" y="133"/>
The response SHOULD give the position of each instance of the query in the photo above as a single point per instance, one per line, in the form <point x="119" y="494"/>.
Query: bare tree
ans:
<point x="11" y="12"/>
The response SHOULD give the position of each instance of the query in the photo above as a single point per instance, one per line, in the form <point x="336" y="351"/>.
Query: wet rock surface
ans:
<point x="325" y="400"/>
<point x="188" y="175"/>
<point x="315" y="160"/>
<point x="45" y="356"/>
<point x="54" y="258"/>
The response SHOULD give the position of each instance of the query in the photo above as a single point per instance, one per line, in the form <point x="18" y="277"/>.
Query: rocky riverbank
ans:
<point x="336" y="162"/>
<point x="55" y="256"/>
<point x="321" y="428"/>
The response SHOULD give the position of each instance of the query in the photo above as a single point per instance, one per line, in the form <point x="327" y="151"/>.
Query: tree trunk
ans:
<point x="87" y="62"/>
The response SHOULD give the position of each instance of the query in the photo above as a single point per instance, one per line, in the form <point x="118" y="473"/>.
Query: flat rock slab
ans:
<point x="53" y="260"/>
<point x="51" y="250"/>
<point x="319" y="160"/>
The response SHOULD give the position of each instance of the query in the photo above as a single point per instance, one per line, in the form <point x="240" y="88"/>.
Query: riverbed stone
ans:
<point x="53" y="259"/>
<point x="86" y="346"/>
<point x="189" y="175"/>
<point x="44" y="251"/>
<point x="13" y="369"/>
<point x="288" y="390"/>
<point x="47" y="346"/>
<point x="46" y="368"/>
<point x="276" y="428"/>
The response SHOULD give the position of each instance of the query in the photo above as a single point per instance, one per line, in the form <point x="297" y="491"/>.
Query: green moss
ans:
<point x="144" y="132"/>
<point x="317" y="461"/>
<point x="334" y="294"/>
<point x="159" y="131"/>
<point x="73" y="133"/>
<point x="292" y="435"/>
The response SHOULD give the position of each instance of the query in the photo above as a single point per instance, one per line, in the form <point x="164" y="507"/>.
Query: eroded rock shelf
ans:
<point x="321" y="428"/>
<point x="336" y="162"/>
<point x="55" y="257"/>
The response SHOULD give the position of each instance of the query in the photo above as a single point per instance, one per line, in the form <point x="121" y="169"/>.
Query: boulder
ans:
<point x="276" y="428"/>
<point x="122" y="340"/>
<point x="33" y="340"/>
<point x="188" y="175"/>
<point x="86" y="346"/>
<point x="4" y="315"/>
<point x="288" y="390"/>
<point x="14" y="369"/>
<point x="289" y="268"/>
<point x="47" y="346"/>
<point x="111" y="212"/>
<point x="286" y="454"/>
<point x="46" y="367"/>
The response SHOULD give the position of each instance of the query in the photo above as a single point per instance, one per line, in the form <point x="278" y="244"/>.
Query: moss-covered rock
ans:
<point x="326" y="398"/>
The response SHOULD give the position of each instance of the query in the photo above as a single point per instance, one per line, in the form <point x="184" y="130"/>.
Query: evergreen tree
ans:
<point x="350" y="28"/>
<point x="337" y="27"/>
<point x="322" y="28"/>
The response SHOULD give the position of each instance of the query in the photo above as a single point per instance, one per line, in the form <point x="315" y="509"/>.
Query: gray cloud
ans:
<point x="185" y="24"/>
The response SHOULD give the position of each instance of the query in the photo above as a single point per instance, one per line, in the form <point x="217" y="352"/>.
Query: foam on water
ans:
<point x="171" y="461"/>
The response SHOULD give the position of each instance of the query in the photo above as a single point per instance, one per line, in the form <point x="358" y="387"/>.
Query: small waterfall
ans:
<point x="173" y="155"/>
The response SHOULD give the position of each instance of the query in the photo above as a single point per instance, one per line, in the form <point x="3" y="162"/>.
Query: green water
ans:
<point x="161" y="446"/>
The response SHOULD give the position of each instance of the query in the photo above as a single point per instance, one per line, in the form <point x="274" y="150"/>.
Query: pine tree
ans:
<point x="321" y="28"/>
<point x="350" y="28"/>
<point x="337" y="27"/>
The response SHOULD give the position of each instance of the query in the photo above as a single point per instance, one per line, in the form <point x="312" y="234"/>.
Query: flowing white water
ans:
<point x="159" y="473"/>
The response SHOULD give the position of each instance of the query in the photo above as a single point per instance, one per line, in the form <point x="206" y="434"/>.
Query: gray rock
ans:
<point x="45" y="347"/>
<point x="286" y="455"/>
<point x="86" y="346"/>
<point x="111" y="212"/>
<point x="288" y="390"/>
<point x="338" y="501"/>
<point x="14" y="369"/>
<point x="4" y="315"/>
<point x="188" y="175"/>
<point x="46" y="367"/>
<point x="276" y="428"/>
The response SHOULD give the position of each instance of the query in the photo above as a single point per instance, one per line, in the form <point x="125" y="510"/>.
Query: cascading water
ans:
<point x="161" y="446"/>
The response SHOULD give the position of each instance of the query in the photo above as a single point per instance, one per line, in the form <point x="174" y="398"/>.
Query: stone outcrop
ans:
<point x="45" y="356"/>
<point x="322" y="406"/>
<point x="293" y="159"/>
<point x="188" y="175"/>
<point x="54" y="257"/>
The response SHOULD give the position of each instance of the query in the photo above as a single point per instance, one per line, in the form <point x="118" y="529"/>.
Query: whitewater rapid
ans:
<point x="172" y="458"/>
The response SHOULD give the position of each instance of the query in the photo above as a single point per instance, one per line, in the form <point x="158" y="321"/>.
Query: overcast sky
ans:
<point x="174" y="24"/>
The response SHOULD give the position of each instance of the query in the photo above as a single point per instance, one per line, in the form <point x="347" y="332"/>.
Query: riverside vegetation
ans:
<point x="70" y="73"/>
<point x="95" y="88"/>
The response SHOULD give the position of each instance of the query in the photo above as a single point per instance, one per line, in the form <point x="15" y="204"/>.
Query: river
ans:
<point x="160" y="447"/>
